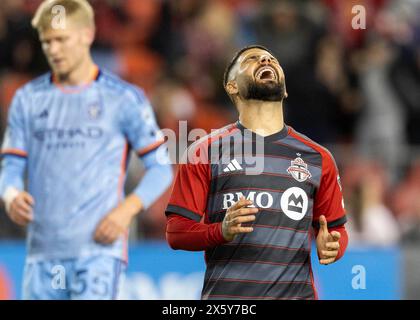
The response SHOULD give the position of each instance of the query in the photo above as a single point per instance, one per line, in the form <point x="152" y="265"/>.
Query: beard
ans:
<point x="271" y="91"/>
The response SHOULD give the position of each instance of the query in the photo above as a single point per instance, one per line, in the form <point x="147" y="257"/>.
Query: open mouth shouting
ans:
<point x="266" y="73"/>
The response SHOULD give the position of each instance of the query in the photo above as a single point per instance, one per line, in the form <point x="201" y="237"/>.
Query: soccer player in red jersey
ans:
<point x="256" y="226"/>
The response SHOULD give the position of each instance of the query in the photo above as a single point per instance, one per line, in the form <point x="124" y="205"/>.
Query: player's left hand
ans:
<point x="327" y="243"/>
<point x="116" y="223"/>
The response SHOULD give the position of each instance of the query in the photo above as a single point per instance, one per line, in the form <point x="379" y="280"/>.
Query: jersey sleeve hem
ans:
<point x="142" y="152"/>
<point x="171" y="209"/>
<point x="14" y="152"/>
<point x="332" y="224"/>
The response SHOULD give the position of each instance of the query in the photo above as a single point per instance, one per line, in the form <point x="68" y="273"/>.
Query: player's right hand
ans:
<point x="235" y="216"/>
<point x="20" y="211"/>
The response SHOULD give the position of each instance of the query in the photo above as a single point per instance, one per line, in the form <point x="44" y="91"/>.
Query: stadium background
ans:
<point x="355" y="91"/>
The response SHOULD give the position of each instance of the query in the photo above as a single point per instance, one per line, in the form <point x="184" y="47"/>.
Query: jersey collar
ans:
<point x="270" y="138"/>
<point x="75" y="89"/>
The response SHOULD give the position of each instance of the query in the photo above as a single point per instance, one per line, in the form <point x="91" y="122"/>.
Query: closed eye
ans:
<point x="251" y="58"/>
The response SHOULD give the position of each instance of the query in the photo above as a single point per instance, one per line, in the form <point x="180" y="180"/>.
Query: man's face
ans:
<point x="66" y="48"/>
<point x="258" y="76"/>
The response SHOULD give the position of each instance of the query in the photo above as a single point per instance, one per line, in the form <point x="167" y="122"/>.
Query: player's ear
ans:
<point x="88" y="36"/>
<point x="232" y="88"/>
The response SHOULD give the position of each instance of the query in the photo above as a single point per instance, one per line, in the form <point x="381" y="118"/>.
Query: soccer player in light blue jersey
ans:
<point x="71" y="130"/>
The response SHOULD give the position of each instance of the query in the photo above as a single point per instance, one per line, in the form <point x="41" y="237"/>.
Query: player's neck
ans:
<point x="263" y="117"/>
<point x="79" y="76"/>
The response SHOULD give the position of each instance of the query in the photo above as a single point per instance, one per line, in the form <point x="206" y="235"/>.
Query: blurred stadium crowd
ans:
<point x="355" y="91"/>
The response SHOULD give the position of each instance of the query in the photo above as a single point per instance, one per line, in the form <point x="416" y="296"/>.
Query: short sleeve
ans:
<point x="329" y="197"/>
<point x="139" y="123"/>
<point x="15" y="137"/>
<point x="190" y="191"/>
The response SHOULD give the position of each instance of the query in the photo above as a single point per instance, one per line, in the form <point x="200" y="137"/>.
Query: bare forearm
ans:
<point x="132" y="205"/>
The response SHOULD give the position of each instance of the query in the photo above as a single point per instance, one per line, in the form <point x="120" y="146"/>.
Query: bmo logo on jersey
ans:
<point x="260" y="199"/>
<point x="294" y="203"/>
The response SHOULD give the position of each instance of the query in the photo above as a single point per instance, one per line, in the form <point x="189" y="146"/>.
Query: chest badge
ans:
<point x="299" y="169"/>
<point x="94" y="111"/>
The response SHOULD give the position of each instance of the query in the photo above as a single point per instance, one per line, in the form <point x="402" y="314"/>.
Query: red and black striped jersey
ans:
<point x="290" y="178"/>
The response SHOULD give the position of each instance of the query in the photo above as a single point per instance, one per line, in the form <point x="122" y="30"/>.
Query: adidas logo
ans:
<point x="233" y="166"/>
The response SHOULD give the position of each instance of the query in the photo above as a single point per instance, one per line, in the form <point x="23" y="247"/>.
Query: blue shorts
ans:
<point x="87" y="278"/>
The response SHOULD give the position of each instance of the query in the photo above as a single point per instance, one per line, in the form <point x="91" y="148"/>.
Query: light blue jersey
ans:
<point x="76" y="142"/>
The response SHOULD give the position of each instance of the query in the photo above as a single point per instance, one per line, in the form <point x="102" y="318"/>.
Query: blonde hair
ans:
<point x="79" y="10"/>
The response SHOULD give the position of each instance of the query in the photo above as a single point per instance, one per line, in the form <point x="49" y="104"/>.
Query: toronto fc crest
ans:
<point x="299" y="170"/>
